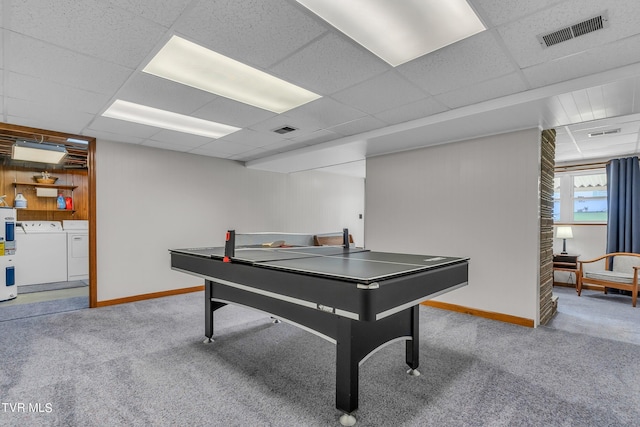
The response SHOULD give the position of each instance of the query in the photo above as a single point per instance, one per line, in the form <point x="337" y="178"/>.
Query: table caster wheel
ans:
<point x="208" y="340"/>
<point x="413" y="372"/>
<point x="347" y="420"/>
<point x="274" y="320"/>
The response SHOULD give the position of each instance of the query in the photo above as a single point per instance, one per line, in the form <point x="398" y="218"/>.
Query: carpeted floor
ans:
<point x="144" y="364"/>
<point x="41" y="308"/>
<point x="597" y="315"/>
<point x="54" y="286"/>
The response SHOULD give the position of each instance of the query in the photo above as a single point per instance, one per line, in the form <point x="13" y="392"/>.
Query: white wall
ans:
<point x="151" y="200"/>
<point x="476" y="199"/>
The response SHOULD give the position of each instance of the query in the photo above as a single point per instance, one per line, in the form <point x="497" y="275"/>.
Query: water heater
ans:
<point x="8" y="287"/>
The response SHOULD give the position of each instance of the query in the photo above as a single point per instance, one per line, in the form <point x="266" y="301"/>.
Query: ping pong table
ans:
<point x="358" y="299"/>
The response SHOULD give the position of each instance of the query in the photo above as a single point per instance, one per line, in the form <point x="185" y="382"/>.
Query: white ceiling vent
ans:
<point x="576" y="30"/>
<point x="604" y="132"/>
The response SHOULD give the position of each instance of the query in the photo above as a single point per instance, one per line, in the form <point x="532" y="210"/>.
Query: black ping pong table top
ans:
<point x="349" y="264"/>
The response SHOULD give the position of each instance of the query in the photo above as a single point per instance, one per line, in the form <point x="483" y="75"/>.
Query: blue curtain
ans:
<point x="623" y="199"/>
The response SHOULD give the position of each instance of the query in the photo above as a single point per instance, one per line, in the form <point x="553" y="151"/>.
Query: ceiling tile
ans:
<point x="1" y="40"/>
<point x="619" y="99"/>
<point x="498" y="12"/>
<point x="89" y="29"/>
<point x="567" y="149"/>
<point x="584" y="63"/>
<point x="230" y="112"/>
<point x="610" y="151"/>
<point x="303" y="125"/>
<point x="226" y="148"/>
<point x="472" y="60"/>
<point x="283" y="146"/>
<point x="607" y="141"/>
<point x="56" y="119"/>
<point x="252" y="138"/>
<point x="490" y="89"/>
<point x="1" y="79"/>
<point x="257" y="33"/>
<point x="122" y="127"/>
<point x="570" y="107"/>
<point x="180" y="138"/>
<point x="356" y="126"/>
<point x="35" y="58"/>
<point x="581" y="131"/>
<point x="54" y="95"/>
<point x="595" y="99"/>
<point x="317" y="137"/>
<point x="381" y="93"/>
<point x="166" y="145"/>
<point x="256" y="153"/>
<point x="164" y="94"/>
<point x="520" y="36"/>
<point x="413" y="111"/>
<point x="325" y="113"/>
<point x="330" y="64"/>
<point x="164" y="12"/>
<point x="109" y="136"/>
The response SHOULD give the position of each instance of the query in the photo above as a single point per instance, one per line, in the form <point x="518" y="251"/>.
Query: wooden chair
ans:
<point x="330" y="240"/>
<point x="621" y="272"/>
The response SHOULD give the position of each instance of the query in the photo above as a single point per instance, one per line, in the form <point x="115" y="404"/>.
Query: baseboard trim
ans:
<point x="149" y="296"/>
<point x="522" y="321"/>
<point x="436" y="304"/>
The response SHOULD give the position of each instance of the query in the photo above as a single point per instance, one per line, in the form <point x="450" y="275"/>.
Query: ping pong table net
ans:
<point x="333" y="240"/>
<point x="277" y="239"/>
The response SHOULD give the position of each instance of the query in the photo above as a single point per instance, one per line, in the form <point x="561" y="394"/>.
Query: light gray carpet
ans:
<point x="144" y="364"/>
<point x="596" y="314"/>
<point x="53" y="286"/>
<point x="21" y="311"/>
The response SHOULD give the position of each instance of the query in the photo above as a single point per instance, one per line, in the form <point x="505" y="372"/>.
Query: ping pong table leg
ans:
<point x="208" y="312"/>
<point x="347" y="375"/>
<point x="413" y="345"/>
<point x="209" y="307"/>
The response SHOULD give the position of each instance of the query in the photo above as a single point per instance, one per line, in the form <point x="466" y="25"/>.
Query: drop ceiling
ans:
<point x="64" y="63"/>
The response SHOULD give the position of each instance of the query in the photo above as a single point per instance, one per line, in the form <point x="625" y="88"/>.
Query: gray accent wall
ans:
<point x="476" y="198"/>
<point x="150" y="200"/>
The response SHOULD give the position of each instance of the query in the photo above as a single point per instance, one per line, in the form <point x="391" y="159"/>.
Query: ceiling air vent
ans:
<point x="571" y="32"/>
<point x="285" y="129"/>
<point x="604" y="132"/>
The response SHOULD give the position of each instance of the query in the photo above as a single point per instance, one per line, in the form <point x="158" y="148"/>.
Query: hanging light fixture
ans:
<point x="38" y="152"/>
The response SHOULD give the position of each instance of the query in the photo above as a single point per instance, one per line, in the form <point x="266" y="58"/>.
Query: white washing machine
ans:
<point x="77" y="249"/>
<point x="43" y="253"/>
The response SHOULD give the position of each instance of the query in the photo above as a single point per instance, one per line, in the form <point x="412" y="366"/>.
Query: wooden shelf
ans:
<point x="46" y="210"/>
<point x="37" y="184"/>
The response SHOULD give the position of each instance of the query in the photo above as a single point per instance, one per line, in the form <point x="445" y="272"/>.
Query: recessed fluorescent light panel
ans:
<point x="399" y="31"/>
<point x="193" y="65"/>
<point x="38" y="152"/>
<point x="124" y="110"/>
<point x="77" y="141"/>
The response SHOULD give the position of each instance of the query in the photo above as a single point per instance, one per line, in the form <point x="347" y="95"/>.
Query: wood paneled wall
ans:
<point x="45" y="208"/>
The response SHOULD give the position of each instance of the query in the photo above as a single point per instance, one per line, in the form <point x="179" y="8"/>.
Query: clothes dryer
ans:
<point x="77" y="249"/>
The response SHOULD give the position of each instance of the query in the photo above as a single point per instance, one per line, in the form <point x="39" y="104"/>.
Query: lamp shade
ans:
<point x="37" y="152"/>
<point x="564" y="233"/>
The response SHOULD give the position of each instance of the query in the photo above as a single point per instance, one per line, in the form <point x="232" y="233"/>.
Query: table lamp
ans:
<point x="564" y="233"/>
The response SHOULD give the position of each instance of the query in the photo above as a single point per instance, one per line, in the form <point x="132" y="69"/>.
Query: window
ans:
<point x="580" y="197"/>
<point x="590" y="198"/>
<point x="556" y="199"/>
